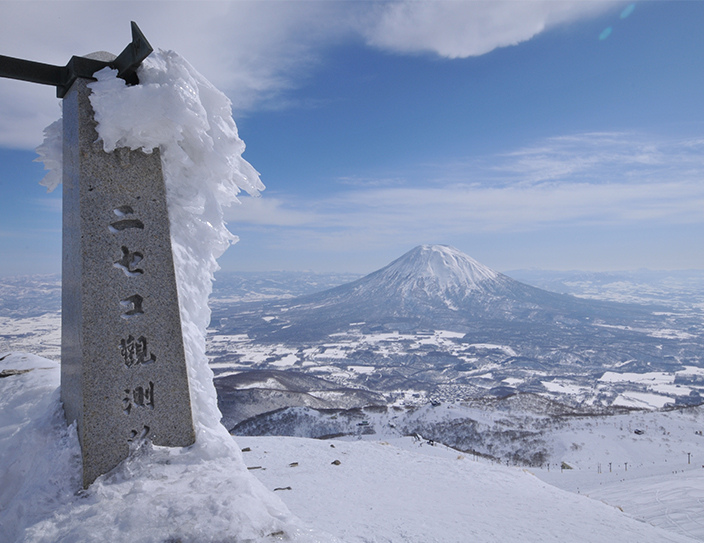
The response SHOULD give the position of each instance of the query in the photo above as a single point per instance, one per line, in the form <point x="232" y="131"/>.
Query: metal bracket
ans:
<point x="62" y="77"/>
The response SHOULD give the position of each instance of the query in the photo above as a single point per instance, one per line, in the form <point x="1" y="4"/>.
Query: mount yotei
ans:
<point x="435" y="325"/>
<point x="430" y="287"/>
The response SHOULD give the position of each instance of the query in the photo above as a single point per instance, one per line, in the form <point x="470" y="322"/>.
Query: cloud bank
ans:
<point x="584" y="180"/>
<point x="459" y="29"/>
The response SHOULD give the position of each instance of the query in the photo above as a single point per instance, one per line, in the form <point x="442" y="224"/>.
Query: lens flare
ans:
<point x="605" y="33"/>
<point x="628" y="10"/>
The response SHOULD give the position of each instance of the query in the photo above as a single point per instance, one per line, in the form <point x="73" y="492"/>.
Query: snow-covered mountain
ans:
<point x="435" y="325"/>
<point x="432" y="272"/>
<point x="248" y="394"/>
<point x="429" y="278"/>
<point x="430" y="287"/>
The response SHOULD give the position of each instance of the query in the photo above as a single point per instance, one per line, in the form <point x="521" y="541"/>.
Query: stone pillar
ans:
<point x="123" y="369"/>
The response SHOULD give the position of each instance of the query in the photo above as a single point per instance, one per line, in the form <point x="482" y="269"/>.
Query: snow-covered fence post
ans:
<point x="123" y="367"/>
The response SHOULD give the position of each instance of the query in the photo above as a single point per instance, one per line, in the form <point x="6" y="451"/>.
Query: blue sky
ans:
<point x="524" y="133"/>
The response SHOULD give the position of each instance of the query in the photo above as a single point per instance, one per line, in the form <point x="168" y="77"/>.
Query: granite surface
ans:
<point x="123" y="369"/>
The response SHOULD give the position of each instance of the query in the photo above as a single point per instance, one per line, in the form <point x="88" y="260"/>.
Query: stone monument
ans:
<point x="123" y="370"/>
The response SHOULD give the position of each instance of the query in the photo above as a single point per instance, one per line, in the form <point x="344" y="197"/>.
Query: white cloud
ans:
<point x="520" y="208"/>
<point x="464" y="28"/>
<point x="268" y="211"/>
<point x="602" y="158"/>
<point x="492" y="222"/>
<point x="612" y="180"/>
<point x="252" y="50"/>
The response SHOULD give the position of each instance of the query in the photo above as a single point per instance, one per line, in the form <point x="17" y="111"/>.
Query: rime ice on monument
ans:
<point x="123" y="368"/>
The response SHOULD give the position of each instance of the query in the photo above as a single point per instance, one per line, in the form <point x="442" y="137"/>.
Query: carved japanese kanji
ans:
<point x="129" y="261"/>
<point x="135" y="351"/>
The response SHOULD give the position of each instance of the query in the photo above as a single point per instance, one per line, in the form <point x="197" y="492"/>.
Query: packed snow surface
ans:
<point x="404" y="491"/>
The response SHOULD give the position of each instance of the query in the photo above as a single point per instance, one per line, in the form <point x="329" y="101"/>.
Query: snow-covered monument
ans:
<point x="149" y="155"/>
<point x="123" y="368"/>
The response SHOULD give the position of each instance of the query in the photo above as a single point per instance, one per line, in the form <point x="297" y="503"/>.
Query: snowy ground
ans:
<point x="201" y="493"/>
<point x="673" y="501"/>
<point x="399" y="490"/>
<point x="480" y="366"/>
<point x="650" y="464"/>
<point x="660" y="487"/>
<point x="40" y="335"/>
<point x="656" y="475"/>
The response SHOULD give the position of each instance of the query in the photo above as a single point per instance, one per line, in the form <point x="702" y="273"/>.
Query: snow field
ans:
<point x="664" y="476"/>
<point x="650" y="390"/>
<point x="674" y="501"/>
<point x="394" y="490"/>
<point x="195" y="494"/>
<point x="40" y="335"/>
<point x="383" y="493"/>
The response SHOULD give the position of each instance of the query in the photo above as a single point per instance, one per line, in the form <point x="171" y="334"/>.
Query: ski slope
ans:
<point x="405" y="491"/>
